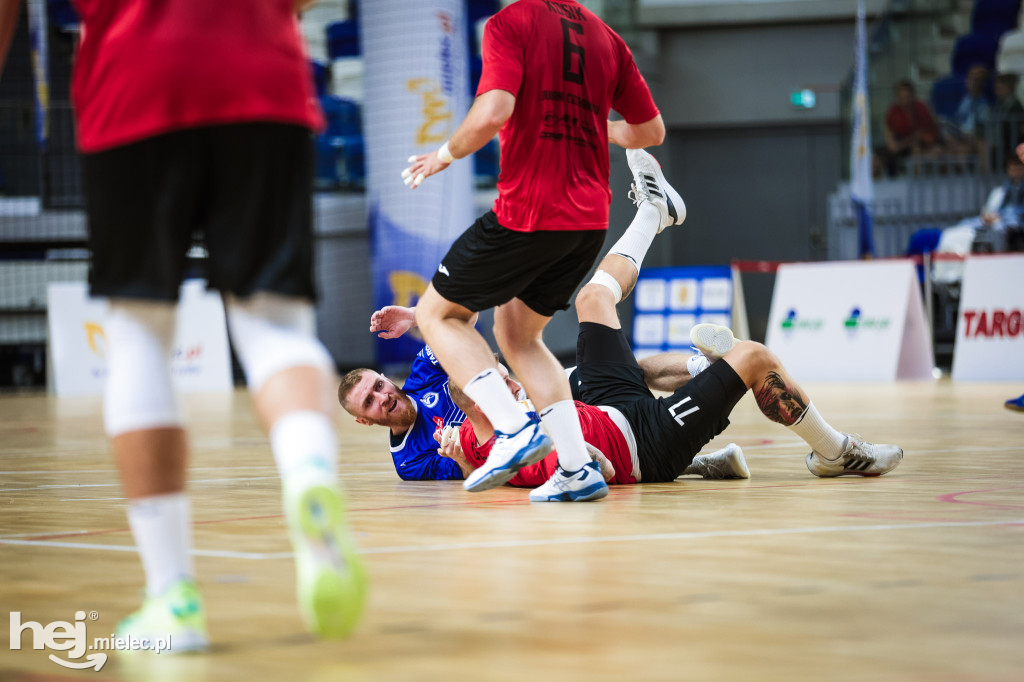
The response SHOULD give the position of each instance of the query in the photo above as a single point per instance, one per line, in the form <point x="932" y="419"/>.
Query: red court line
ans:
<point x="953" y="497"/>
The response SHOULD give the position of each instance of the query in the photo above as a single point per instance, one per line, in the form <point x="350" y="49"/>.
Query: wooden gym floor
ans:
<point x="917" y="575"/>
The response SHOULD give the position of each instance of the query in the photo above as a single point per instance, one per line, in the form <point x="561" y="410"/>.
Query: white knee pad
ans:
<point x="140" y="346"/>
<point x="606" y="280"/>
<point x="272" y="333"/>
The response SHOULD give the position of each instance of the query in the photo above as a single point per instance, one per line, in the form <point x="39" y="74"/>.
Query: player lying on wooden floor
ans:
<point x="662" y="435"/>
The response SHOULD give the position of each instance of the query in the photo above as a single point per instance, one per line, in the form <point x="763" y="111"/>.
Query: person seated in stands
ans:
<point x="1007" y="114"/>
<point x="909" y="129"/>
<point x="1002" y="215"/>
<point x="967" y="129"/>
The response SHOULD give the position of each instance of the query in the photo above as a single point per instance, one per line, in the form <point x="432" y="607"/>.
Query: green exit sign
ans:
<point x="803" y="99"/>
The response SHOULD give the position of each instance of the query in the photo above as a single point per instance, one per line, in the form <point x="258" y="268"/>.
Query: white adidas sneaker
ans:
<point x="649" y="184"/>
<point x="859" y="458"/>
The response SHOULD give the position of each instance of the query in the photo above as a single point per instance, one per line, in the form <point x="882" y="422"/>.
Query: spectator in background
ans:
<point x="1007" y="114"/>
<point x="967" y="128"/>
<point x="909" y="129"/>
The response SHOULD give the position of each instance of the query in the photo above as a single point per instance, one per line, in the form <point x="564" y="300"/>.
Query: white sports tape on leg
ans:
<point x="140" y="345"/>
<point x="271" y="333"/>
<point x="606" y="280"/>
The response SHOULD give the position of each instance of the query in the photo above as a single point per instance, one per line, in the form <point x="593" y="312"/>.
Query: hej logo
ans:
<point x="794" y="321"/>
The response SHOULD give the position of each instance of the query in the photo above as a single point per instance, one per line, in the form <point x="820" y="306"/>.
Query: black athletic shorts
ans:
<point x="669" y="431"/>
<point x="489" y="265"/>
<point x="247" y="188"/>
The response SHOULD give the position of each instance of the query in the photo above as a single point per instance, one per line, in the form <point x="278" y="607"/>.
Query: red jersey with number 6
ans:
<point x="567" y="68"/>
<point x="145" y="68"/>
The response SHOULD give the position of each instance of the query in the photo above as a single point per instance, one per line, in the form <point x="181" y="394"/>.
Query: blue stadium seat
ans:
<point x="485" y="164"/>
<point x="320" y="72"/>
<point x="946" y="95"/>
<point x="995" y="17"/>
<point x="974" y="48"/>
<point x="340" y="155"/>
<point x="343" y="39"/>
<point x="922" y="241"/>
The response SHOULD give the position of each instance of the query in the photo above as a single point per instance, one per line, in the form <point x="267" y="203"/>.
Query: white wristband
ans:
<point x="444" y="154"/>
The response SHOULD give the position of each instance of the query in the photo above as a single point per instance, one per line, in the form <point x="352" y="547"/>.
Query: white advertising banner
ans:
<point x="202" y="361"/>
<point x="417" y="92"/>
<point x="990" y="331"/>
<point x="850" y="321"/>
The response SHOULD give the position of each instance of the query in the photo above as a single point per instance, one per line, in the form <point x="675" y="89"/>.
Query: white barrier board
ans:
<point x="850" y="321"/>
<point x="202" y="361"/>
<point x="990" y="331"/>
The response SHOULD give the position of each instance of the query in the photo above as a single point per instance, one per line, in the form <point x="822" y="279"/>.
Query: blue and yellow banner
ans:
<point x="417" y="93"/>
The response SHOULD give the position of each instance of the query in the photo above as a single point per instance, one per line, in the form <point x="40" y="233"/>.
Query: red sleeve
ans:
<point x="537" y="474"/>
<point x="502" y="53"/>
<point x="475" y="454"/>
<point x="927" y="121"/>
<point x="632" y="97"/>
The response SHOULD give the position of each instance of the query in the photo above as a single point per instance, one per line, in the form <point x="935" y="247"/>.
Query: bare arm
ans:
<point x="485" y="118"/>
<point x="10" y="10"/>
<point x="665" y="371"/>
<point x="649" y="134"/>
<point x="392" y="321"/>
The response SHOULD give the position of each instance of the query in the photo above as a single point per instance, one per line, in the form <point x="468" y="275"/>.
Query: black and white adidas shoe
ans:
<point x="859" y="458"/>
<point x="649" y="184"/>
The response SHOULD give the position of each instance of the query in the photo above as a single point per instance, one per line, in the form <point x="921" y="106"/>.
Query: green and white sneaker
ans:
<point x="330" y="576"/>
<point x="176" y="617"/>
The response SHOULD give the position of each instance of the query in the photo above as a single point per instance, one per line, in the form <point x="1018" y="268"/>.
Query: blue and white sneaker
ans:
<point x="572" y="486"/>
<point x="510" y="453"/>
<point x="697" y="363"/>
<point x="649" y="184"/>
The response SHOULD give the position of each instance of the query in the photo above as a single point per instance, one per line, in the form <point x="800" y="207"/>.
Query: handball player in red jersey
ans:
<point x="198" y="115"/>
<point x="552" y="72"/>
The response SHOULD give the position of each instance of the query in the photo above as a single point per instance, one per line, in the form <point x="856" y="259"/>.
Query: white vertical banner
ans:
<point x="417" y="92"/>
<point x="990" y="331"/>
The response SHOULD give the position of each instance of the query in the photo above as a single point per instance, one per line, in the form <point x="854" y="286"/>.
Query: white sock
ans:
<point x="301" y="439"/>
<point x="633" y="244"/>
<point x="162" y="528"/>
<point x="563" y="425"/>
<point x="819" y="434"/>
<point x="488" y="390"/>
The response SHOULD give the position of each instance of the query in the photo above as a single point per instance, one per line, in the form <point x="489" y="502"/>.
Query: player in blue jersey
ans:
<point x="414" y="413"/>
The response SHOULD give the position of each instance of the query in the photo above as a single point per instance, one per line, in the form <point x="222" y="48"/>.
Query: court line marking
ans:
<point x="541" y="542"/>
<point x="53" y="486"/>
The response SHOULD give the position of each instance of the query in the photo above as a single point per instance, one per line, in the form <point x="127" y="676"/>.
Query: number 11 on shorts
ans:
<point x="679" y="416"/>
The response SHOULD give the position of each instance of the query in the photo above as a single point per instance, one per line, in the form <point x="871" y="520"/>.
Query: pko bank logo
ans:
<point x="794" y="322"/>
<point x="71" y="637"/>
<point x="856" y="320"/>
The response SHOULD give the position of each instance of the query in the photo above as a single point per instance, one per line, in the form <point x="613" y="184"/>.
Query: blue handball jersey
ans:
<point x="415" y="451"/>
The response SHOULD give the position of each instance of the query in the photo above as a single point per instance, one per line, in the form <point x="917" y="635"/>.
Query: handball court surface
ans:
<point x="917" y="575"/>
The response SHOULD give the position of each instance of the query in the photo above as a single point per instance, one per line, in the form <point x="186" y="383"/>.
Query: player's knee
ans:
<point x="272" y="333"/>
<point x="594" y="296"/>
<point x="750" y="359"/>
<point x="140" y="345"/>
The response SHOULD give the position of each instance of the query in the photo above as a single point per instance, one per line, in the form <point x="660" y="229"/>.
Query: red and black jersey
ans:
<point x="567" y="68"/>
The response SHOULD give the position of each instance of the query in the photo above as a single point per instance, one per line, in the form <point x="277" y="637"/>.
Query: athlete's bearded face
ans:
<point x="376" y="400"/>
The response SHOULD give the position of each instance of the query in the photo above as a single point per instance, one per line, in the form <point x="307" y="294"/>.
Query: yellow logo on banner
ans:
<point x="435" y="111"/>
<point x="93" y="335"/>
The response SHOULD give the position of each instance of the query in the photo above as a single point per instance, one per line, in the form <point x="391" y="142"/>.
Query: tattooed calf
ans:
<point x="779" y="402"/>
